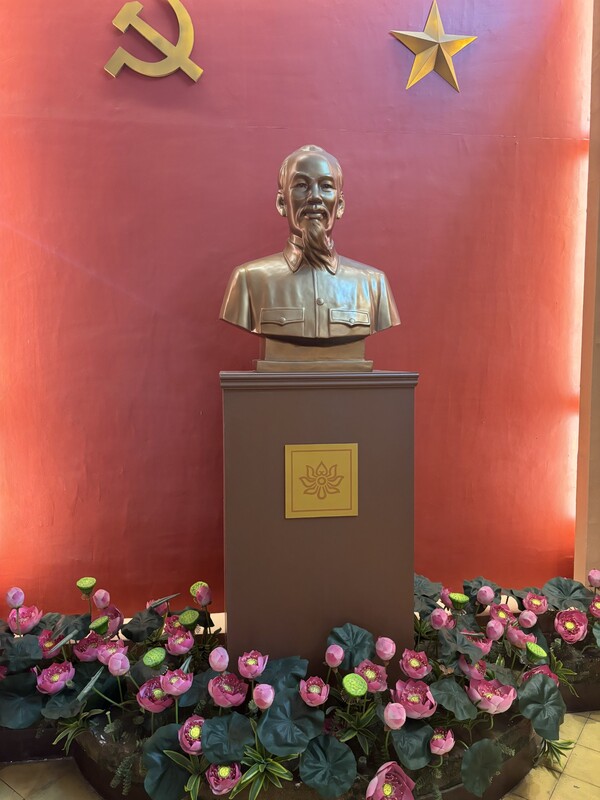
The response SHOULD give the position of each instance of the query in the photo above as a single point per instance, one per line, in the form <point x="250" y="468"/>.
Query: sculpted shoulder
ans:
<point x="366" y="268"/>
<point x="259" y="265"/>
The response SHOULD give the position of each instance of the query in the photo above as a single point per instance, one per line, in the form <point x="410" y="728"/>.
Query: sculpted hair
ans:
<point x="306" y="149"/>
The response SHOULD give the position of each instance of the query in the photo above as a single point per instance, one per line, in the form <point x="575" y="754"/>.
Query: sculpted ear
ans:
<point x="341" y="207"/>
<point x="280" y="204"/>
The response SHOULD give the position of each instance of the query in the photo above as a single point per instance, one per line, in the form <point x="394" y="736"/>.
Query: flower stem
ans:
<point x="120" y="688"/>
<point x="112" y="702"/>
<point x="177" y="710"/>
<point x="151" y="724"/>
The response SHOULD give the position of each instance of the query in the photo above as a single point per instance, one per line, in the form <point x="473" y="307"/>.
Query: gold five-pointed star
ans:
<point x="433" y="49"/>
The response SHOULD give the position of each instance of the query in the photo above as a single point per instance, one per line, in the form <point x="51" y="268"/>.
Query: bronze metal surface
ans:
<point x="309" y="294"/>
<point x="282" y="356"/>
<point x="289" y="581"/>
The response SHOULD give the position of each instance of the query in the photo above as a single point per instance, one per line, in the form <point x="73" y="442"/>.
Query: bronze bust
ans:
<point x="314" y="306"/>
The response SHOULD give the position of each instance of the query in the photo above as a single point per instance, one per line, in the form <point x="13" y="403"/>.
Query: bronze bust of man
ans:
<point x="314" y="306"/>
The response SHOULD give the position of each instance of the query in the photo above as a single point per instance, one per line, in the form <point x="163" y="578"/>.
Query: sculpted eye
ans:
<point x="300" y="185"/>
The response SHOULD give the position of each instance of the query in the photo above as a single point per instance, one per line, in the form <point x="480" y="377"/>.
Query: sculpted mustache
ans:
<point x="314" y="210"/>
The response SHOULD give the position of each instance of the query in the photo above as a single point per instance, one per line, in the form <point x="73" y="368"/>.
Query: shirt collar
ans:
<point x="293" y="254"/>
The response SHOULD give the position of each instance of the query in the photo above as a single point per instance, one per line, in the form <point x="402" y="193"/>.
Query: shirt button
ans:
<point x="352" y="320"/>
<point x="320" y="301"/>
<point x="281" y="319"/>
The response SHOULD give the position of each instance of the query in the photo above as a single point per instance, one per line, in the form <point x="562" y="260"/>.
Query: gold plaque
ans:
<point x="321" y="480"/>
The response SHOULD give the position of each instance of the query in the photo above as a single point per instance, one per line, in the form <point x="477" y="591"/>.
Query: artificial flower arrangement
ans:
<point x="160" y="689"/>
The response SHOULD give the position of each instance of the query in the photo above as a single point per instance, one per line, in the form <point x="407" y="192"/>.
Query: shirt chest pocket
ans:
<point x="349" y="322"/>
<point x="282" y="321"/>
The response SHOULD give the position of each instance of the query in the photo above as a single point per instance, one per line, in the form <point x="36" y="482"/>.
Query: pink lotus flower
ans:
<point x="440" y="618"/>
<point x="485" y="645"/>
<point x="544" y="669"/>
<point x="203" y="594"/>
<point x="485" y="595"/>
<point x="594" y="578"/>
<point x="441" y="742"/>
<point x="394" y="716"/>
<point x="55" y="677"/>
<point x="107" y="649"/>
<point x="494" y="630"/>
<point x="118" y="664"/>
<point x="445" y="597"/>
<point x="252" y="664"/>
<point x="263" y="695"/>
<point x="48" y="643"/>
<point x="15" y="597"/>
<point x="474" y="671"/>
<point x="152" y="696"/>
<point x="527" y="619"/>
<point x="29" y="616"/>
<point x="314" y="691"/>
<point x="176" y="682"/>
<point x="86" y="649"/>
<point x="227" y="690"/>
<point x="415" y="664"/>
<point x="491" y="696"/>
<point x="538" y="603"/>
<point x="223" y="777"/>
<point x="172" y="625"/>
<point x="161" y="609"/>
<point x="501" y="613"/>
<point x="180" y="642"/>
<point x="416" y="698"/>
<point x="190" y="735"/>
<point x="518" y="638"/>
<point x="385" y="648"/>
<point x="334" y="655"/>
<point x="218" y="659"/>
<point x="115" y="619"/>
<point x="390" y="783"/>
<point x="101" y="598"/>
<point x="375" y="676"/>
<point x="3" y="673"/>
<point x="571" y="625"/>
<point x="595" y="607"/>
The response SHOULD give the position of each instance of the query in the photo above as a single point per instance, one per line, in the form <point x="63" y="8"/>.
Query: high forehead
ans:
<point x="315" y="165"/>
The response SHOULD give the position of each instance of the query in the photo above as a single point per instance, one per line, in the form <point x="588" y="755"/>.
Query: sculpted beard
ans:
<point x="317" y="246"/>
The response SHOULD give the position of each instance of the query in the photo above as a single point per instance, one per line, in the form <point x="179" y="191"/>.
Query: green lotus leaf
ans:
<point x="20" y="702"/>
<point x="411" y="744"/>
<point x="565" y="593"/>
<point x="21" y="653"/>
<point x="289" y="724"/>
<point x="284" y="673"/>
<point x="164" y="779"/>
<point x="479" y="765"/>
<point x="328" y="766"/>
<point x="225" y="738"/>
<point x="426" y="594"/>
<point x="142" y="625"/>
<point x="541" y="702"/>
<point x="449" y="694"/>
<point x="357" y="644"/>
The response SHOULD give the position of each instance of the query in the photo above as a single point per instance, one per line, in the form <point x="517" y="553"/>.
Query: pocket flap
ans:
<point x="349" y="317"/>
<point x="281" y="316"/>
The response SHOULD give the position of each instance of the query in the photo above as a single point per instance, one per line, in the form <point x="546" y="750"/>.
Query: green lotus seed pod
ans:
<point x="154" y="657"/>
<point x="355" y="685"/>
<point x="100" y="625"/>
<point x="86" y="585"/>
<point x="459" y="600"/>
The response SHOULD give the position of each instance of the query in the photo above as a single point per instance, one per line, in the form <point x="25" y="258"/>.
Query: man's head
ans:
<point x="310" y="196"/>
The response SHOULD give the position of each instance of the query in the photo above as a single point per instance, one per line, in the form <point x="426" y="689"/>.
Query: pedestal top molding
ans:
<point x="318" y="380"/>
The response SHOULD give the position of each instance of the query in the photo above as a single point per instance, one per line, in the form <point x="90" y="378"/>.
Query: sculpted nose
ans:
<point x="315" y="193"/>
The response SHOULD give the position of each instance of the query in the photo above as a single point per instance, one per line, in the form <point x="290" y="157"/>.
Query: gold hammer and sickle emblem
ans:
<point x="177" y="56"/>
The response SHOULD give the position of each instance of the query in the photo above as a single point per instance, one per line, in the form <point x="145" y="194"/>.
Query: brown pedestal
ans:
<point x="289" y="581"/>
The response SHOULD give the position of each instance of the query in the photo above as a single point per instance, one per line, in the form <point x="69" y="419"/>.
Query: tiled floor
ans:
<point x="578" y="778"/>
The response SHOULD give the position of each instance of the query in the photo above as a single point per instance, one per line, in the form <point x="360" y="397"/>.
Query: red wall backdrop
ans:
<point x="126" y="203"/>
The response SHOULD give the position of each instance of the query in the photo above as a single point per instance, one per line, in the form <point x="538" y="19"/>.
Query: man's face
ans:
<point x="311" y="193"/>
